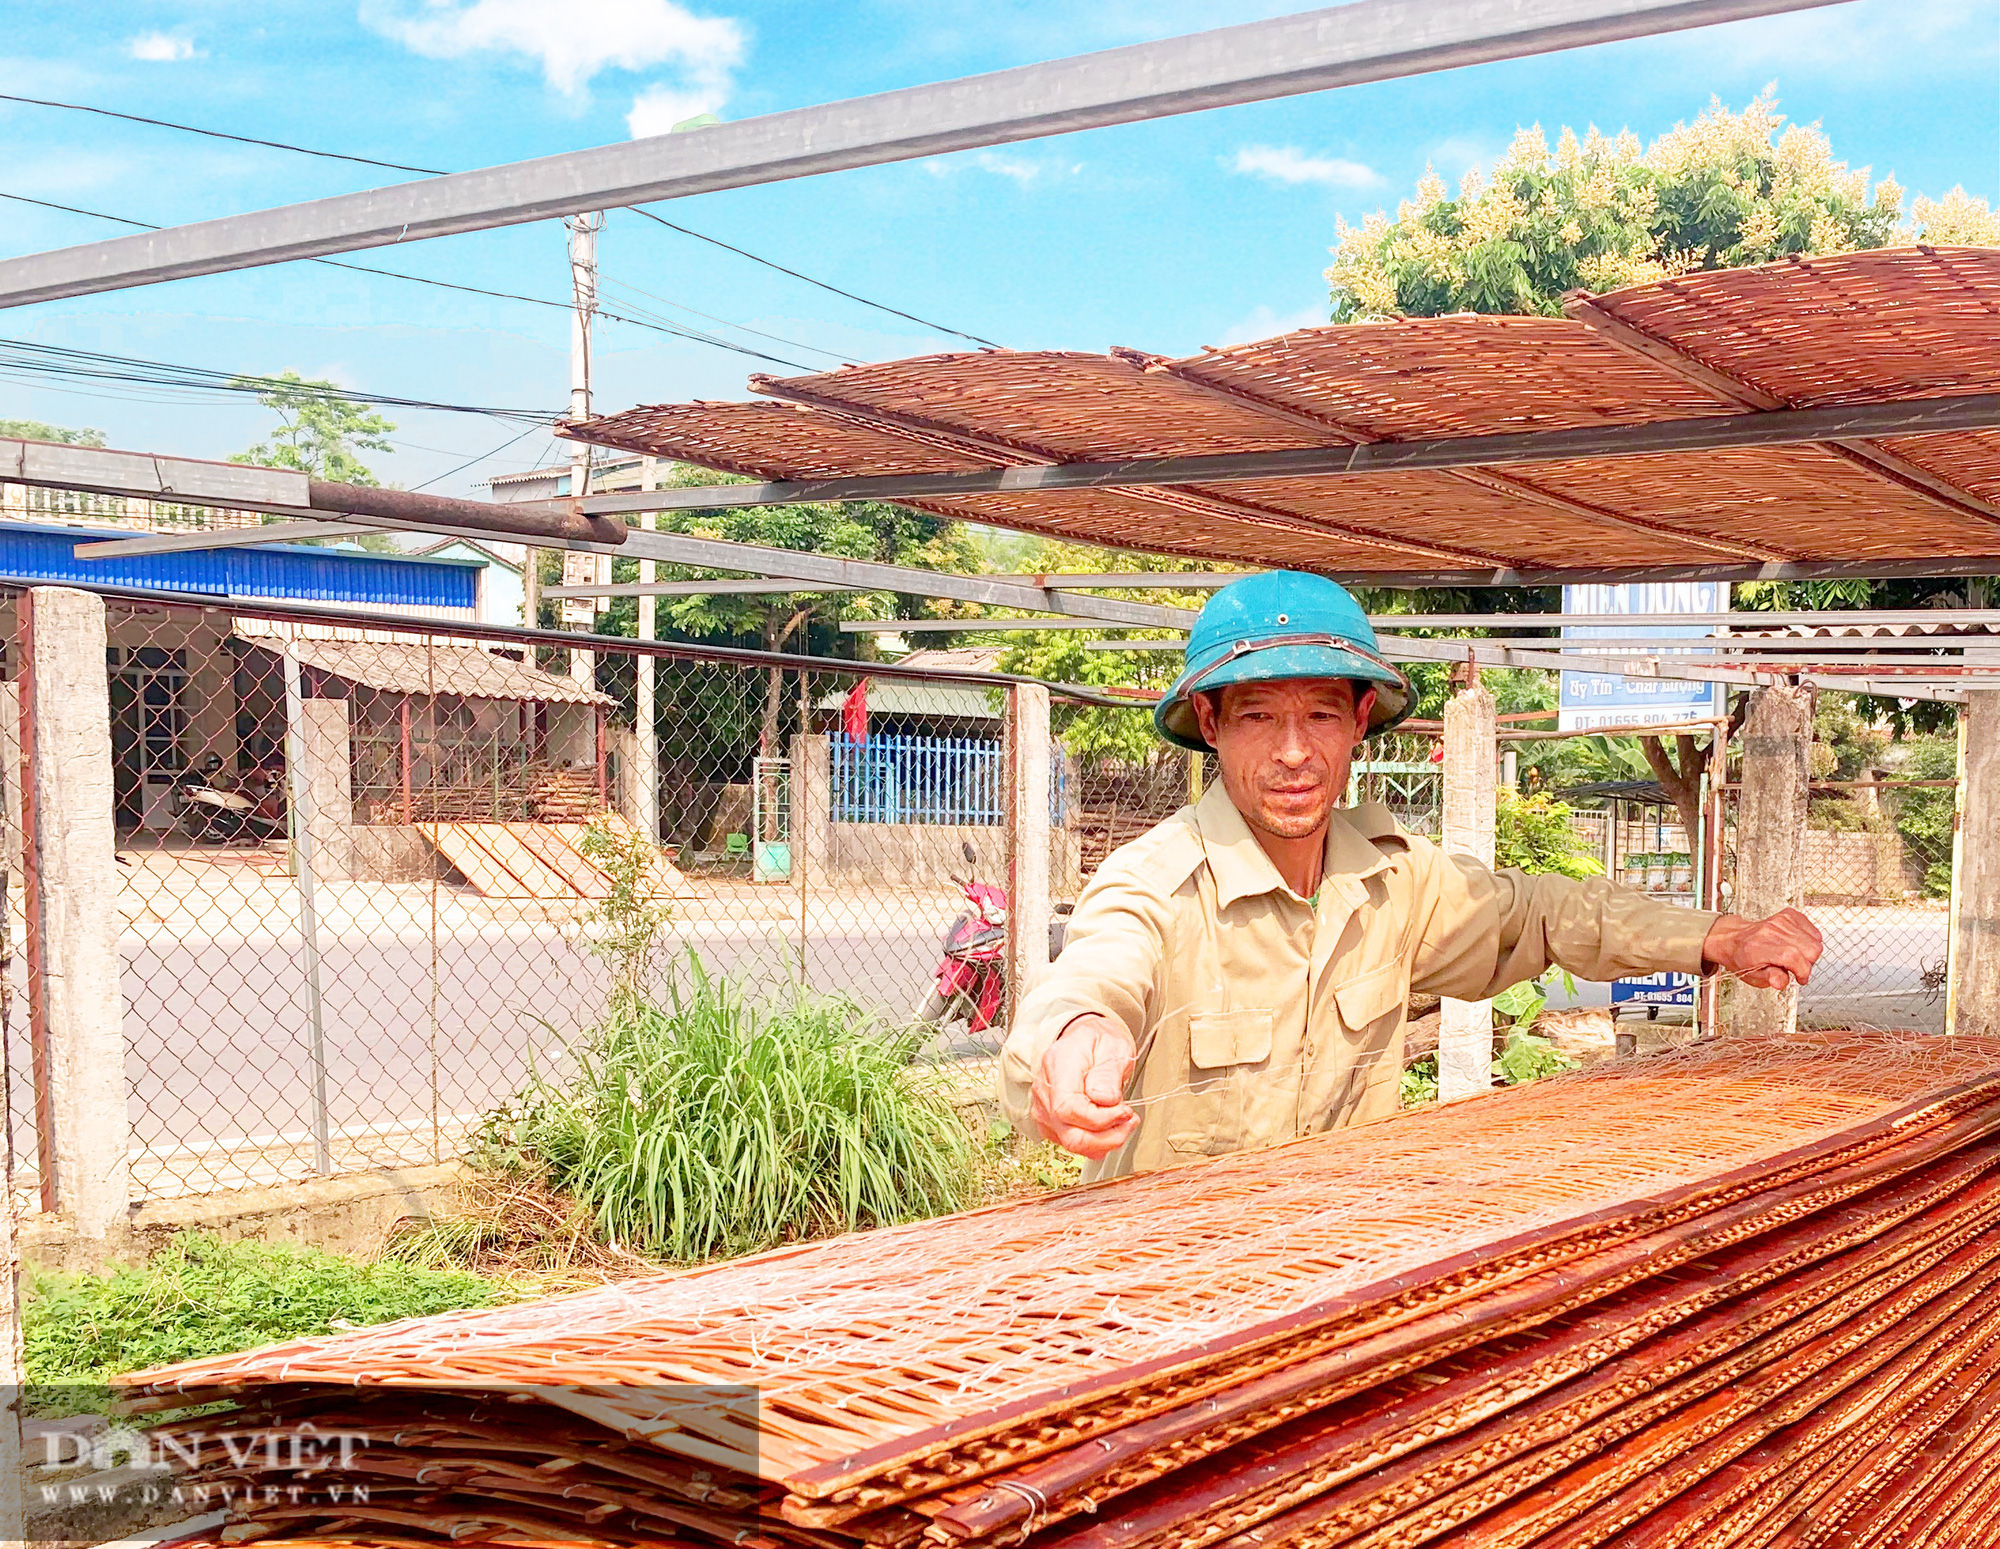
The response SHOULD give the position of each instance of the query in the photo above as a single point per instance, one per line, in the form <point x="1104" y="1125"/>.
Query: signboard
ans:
<point x="1593" y="699"/>
<point x="1662" y="989"/>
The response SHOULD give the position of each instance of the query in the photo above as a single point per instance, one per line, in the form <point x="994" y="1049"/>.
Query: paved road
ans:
<point x="219" y="1030"/>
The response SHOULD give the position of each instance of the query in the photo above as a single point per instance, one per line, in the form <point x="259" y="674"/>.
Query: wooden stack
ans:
<point x="1744" y="1294"/>
<point x="565" y="795"/>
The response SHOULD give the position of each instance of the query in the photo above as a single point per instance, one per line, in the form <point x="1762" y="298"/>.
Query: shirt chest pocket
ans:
<point x="1217" y="1039"/>
<point x="1230" y="1101"/>
<point x="1371" y="1018"/>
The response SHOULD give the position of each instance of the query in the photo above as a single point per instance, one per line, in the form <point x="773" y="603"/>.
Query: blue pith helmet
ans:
<point x="1282" y="624"/>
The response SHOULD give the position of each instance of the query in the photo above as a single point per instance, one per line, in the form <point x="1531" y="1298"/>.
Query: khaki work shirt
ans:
<point x="1258" y="1016"/>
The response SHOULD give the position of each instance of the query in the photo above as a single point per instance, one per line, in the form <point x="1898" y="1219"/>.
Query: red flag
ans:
<point x="854" y="713"/>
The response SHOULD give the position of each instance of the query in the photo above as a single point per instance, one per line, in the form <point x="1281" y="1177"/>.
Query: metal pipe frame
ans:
<point x="559" y="524"/>
<point x="1707" y="433"/>
<point x="1372" y="40"/>
<point x="1939" y="618"/>
<point x="563" y="639"/>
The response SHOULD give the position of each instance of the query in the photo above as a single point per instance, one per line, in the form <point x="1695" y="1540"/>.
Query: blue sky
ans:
<point x="1164" y="236"/>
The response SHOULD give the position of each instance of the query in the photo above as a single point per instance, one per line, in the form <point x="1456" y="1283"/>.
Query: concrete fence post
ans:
<point x="75" y="1004"/>
<point x="330" y="769"/>
<point x="812" y="812"/>
<point x="1031" y="775"/>
<point x="1972" y="1004"/>
<point x="1770" y="842"/>
<point x="1465" y="1027"/>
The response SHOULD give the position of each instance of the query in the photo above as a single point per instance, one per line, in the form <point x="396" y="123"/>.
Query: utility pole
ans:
<point x="581" y="569"/>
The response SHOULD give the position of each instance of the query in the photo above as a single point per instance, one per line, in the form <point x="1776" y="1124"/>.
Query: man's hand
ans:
<point x="1765" y="954"/>
<point x="1079" y="1096"/>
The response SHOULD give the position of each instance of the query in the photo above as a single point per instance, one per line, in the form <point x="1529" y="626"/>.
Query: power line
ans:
<point x="394" y="166"/>
<point x="957" y="333"/>
<point x="775" y="338"/>
<point x="19" y="355"/>
<point x="217" y="134"/>
<point x="439" y="478"/>
<point x="662" y="325"/>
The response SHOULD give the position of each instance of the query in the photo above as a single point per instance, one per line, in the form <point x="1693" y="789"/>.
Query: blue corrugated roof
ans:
<point x="45" y="554"/>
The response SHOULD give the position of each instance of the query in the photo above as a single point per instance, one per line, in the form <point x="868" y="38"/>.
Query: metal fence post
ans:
<point x="76" y="1004"/>
<point x="1465" y="1027"/>
<point x="1028" y="900"/>
<point x="1972" y="1004"/>
<point x="300" y="778"/>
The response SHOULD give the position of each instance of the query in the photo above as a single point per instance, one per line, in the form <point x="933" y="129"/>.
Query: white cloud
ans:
<point x="1458" y="154"/>
<point x="161" y="48"/>
<point x="1264" y="323"/>
<point x="1288" y="164"/>
<point x="575" y="41"/>
<point x="658" y="108"/>
<point x="1023" y="171"/>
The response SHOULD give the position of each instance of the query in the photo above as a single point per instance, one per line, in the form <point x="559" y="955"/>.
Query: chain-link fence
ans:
<point x="1875" y="870"/>
<point x="370" y="879"/>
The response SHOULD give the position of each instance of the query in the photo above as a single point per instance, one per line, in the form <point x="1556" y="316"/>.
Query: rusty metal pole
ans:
<point x="603" y="784"/>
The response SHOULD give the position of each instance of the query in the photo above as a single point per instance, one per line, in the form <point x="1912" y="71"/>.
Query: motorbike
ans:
<point x="209" y="814"/>
<point x="970" y="981"/>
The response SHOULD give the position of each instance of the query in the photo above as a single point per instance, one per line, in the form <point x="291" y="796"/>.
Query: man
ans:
<point x="1238" y="975"/>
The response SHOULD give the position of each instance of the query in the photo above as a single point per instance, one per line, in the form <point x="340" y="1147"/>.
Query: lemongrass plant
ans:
<point x="699" y="1124"/>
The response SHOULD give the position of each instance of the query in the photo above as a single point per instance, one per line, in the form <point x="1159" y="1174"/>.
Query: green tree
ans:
<point x="1089" y="733"/>
<point x="319" y="431"/>
<point x="1925" y="814"/>
<point x="778" y="620"/>
<point x="38" y="430"/>
<point x="1599" y="212"/>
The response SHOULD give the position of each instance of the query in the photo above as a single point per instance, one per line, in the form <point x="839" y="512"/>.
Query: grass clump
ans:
<point x="201" y="1296"/>
<point x="701" y="1125"/>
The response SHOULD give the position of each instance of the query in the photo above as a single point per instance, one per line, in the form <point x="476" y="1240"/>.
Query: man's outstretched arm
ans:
<point x="1484" y="930"/>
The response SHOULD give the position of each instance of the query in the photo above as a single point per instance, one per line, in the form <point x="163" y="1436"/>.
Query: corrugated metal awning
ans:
<point x="433" y="667"/>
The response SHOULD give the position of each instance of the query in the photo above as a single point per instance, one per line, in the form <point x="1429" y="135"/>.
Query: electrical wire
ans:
<point x="22" y="356"/>
<point x="658" y="325"/>
<point x="217" y="134"/>
<point x="775" y="338"/>
<point x="956" y="333"/>
<point x="482" y="457"/>
<point x="395" y="166"/>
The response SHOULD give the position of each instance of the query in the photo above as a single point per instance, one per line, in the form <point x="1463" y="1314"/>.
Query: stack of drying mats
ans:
<point x="1743" y="1294"/>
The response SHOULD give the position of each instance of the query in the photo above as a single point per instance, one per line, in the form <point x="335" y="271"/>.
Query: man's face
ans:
<point x="1284" y="748"/>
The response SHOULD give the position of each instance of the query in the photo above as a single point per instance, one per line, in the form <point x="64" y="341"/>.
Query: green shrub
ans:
<point x="1420" y="1082"/>
<point x="1530" y="1057"/>
<point x="1924" y="815"/>
<point x="201" y="1296"/>
<point x="1838" y="815"/>
<point x="704" y="1125"/>
<point x="1533" y="833"/>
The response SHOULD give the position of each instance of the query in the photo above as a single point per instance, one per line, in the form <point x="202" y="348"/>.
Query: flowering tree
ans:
<point x="1598" y="213"/>
<point x="1602" y="212"/>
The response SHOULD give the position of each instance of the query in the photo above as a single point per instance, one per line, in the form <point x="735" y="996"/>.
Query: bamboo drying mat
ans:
<point x="1785" y="1335"/>
<point x="873" y="1349"/>
<point x="1838" y="329"/>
